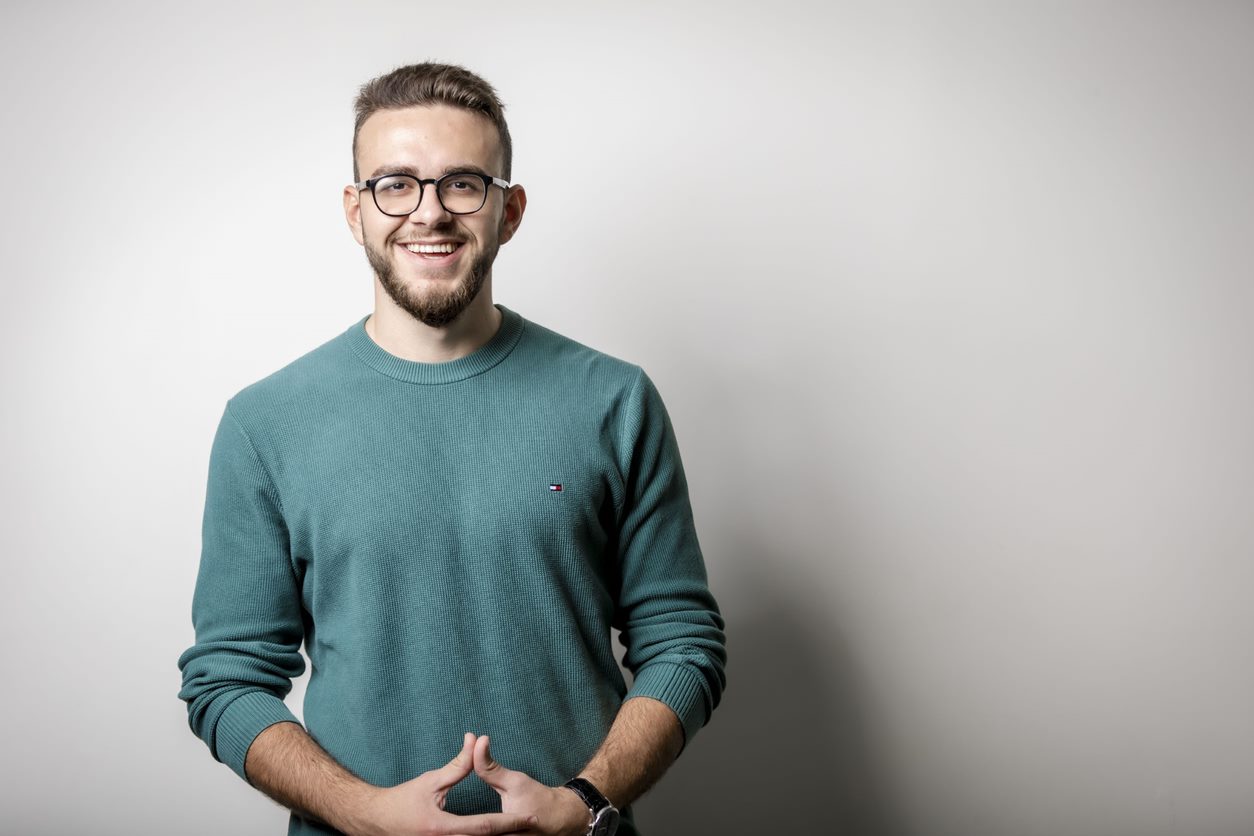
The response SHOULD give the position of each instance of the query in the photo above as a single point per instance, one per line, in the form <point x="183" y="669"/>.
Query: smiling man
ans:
<point x="451" y="507"/>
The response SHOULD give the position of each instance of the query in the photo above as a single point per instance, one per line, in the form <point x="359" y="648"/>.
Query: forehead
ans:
<point x="428" y="138"/>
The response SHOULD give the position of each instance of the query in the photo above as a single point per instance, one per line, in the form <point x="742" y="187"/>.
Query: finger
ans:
<point x="486" y="766"/>
<point x="485" y="824"/>
<point x="459" y="767"/>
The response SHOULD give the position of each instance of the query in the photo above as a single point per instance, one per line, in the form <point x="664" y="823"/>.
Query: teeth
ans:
<point x="430" y="248"/>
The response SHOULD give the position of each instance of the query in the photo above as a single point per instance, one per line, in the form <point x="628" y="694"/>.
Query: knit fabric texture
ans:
<point x="452" y="543"/>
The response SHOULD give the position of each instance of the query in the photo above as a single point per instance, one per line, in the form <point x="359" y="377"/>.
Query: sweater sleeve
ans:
<point x="671" y="625"/>
<point x="246" y="609"/>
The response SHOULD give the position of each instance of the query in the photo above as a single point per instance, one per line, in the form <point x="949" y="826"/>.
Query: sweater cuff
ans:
<point x="245" y="718"/>
<point x="681" y="688"/>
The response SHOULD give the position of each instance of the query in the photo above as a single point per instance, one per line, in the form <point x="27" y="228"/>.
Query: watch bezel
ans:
<point x="606" y="821"/>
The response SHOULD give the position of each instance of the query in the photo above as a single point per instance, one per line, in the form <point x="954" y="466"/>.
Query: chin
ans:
<point x="435" y="302"/>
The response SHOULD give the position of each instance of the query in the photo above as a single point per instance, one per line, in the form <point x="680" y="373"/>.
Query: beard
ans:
<point x="435" y="309"/>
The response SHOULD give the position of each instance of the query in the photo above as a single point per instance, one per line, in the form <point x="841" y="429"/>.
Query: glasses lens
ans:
<point x="462" y="194"/>
<point x="397" y="194"/>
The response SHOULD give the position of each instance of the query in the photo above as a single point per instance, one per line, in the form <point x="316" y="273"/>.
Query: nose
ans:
<point x="430" y="211"/>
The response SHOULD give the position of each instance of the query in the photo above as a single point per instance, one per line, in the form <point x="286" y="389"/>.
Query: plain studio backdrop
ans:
<point x="951" y="305"/>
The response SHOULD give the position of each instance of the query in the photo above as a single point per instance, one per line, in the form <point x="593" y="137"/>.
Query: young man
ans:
<point x="451" y="507"/>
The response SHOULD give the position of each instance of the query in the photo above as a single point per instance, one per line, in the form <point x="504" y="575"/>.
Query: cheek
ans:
<point x="378" y="231"/>
<point x="504" y="230"/>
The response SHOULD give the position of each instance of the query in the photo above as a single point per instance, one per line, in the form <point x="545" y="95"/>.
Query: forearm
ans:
<point x="287" y="764"/>
<point x="643" y="742"/>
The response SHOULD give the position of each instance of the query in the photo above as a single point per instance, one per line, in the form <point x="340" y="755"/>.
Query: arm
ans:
<point x="670" y="623"/>
<point x="641" y="745"/>
<point x="246" y="610"/>
<point x="286" y="764"/>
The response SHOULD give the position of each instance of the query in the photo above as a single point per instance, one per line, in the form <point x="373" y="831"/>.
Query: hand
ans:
<point x="556" y="811"/>
<point x="416" y="807"/>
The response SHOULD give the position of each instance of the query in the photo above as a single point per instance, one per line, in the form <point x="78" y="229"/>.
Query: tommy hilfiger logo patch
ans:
<point x="556" y="486"/>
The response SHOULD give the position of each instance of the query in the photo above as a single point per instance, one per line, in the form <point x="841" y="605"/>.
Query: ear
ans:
<point x="352" y="212"/>
<point x="515" y="205"/>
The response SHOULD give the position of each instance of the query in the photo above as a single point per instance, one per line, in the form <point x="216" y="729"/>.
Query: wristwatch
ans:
<point x="604" y="814"/>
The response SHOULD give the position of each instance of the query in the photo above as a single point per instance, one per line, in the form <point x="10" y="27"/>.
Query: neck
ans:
<point x="397" y="332"/>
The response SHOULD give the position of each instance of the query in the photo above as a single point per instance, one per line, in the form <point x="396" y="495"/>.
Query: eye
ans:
<point x="463" y="183"/>
<point x="395" y="185"/>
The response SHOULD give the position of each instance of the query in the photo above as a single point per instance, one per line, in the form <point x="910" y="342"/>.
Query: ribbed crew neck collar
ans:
<point x="409" y="371"/>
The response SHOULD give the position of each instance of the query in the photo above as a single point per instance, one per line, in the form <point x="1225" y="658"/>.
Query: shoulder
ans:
<point x="618" y="394"/>
<point x="308" y="379"/>
<point x="577" y="365"/>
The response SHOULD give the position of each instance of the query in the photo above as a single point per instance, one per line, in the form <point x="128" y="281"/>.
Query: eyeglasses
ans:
<point x="460" y="193"/>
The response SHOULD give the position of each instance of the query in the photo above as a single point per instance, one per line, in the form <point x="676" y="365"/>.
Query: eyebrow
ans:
<point x="412" y="171"/>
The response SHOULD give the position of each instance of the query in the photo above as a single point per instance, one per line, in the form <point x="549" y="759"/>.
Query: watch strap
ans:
<point x="590" y="795"/>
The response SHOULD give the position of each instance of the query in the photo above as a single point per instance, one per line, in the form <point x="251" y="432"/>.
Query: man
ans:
<point x="451" y="507"/>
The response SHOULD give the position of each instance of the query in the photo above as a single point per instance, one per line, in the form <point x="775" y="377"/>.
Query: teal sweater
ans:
<point x="452" y="543"/>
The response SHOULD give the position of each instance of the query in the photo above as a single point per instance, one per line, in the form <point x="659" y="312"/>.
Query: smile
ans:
<point x="431" y="249"/>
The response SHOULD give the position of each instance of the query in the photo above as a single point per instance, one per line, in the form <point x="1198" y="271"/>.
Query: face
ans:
<point x="431" y="263"/>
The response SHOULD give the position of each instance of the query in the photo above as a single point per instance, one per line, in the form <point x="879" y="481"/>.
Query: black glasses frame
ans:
<point x="487" y="179"/>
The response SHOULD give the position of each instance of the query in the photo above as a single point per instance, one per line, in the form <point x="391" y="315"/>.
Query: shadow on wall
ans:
<point x="786" y="750"/>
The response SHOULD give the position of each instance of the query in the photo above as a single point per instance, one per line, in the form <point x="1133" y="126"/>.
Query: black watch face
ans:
<point x="606" y="823"/>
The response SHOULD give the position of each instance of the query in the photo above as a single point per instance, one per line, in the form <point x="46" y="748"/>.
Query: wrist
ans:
<point x="576" y="816"/>
<point x="600" y="782"/>
<point x="357" y="811"/>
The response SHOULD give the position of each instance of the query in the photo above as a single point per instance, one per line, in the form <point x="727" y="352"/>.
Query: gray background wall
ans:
<point x="955" y="335"/>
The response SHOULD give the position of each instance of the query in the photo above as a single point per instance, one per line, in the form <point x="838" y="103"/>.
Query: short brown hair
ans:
<point x="428" y="84"/>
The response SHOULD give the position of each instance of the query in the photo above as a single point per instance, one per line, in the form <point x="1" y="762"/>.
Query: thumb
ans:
<point x="460" y="766"/>
<point x="486" y="766"/>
